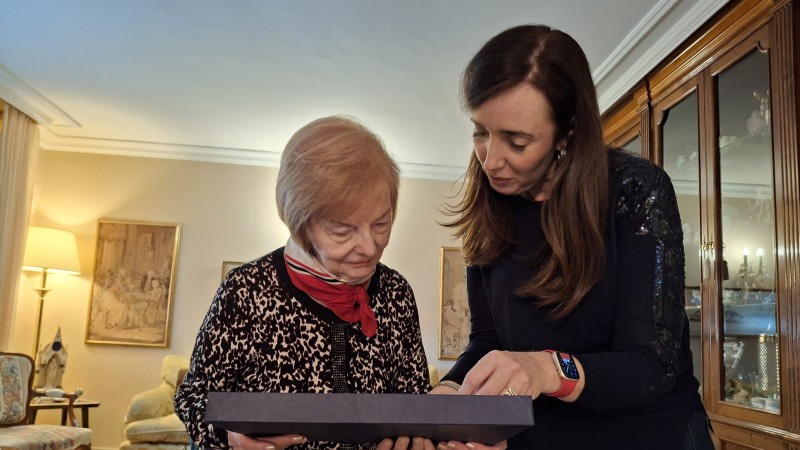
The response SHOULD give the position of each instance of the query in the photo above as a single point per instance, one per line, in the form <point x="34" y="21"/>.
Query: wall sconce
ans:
<point x="48" y="250"/>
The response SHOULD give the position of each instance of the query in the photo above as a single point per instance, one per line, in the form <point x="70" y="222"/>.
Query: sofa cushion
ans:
<point x="167" y="429"/>
<point x="171" y="368"/>
<point x="156" y="402"/>
<point x="128" y="445"/>
<point x="44" y="437"/>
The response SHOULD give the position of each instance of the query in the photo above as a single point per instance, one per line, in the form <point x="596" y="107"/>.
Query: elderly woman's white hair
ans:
<point x="329" y="169"/>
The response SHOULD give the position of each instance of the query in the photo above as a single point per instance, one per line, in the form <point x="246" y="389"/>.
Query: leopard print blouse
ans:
<point x="262" y="334"/>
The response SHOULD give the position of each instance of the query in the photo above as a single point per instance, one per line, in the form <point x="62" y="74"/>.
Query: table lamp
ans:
<point x="48" y="250"/>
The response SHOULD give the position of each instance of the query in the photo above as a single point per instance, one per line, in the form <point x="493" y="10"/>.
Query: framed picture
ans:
<point x="454" y="321"/>
<point x="228" y="265"/>
<point x="133" y="283"/>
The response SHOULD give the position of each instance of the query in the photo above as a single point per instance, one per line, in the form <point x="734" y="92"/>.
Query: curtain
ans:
<point x="19" y="150"/>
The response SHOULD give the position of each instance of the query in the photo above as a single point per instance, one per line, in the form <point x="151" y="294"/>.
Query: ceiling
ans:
<point x="230" y="81"/>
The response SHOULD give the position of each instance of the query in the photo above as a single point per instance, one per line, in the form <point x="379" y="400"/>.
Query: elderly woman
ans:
<point x="321" y="314"/>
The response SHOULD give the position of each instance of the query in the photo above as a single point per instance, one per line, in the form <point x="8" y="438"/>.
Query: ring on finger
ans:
<point x="509" y="391"/>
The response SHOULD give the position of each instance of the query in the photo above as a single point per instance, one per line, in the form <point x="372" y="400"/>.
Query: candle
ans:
<point x="760" y="254"/>
<point x="745" y="253"/>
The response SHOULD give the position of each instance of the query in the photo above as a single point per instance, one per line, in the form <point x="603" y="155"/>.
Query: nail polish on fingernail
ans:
<point x="451" y="445"/>
<point x="299" y="439"/>
<point x="270" y="447"/>
<point x="442" y="446"/>
<point x="471" y="446"/>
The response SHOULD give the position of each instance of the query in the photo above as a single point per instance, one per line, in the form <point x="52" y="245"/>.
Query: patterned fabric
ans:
<point x="349" y="302"/>
<point x="263" y="334"/>
<point x="15" y="372"/>
<point x="44" y="437"/>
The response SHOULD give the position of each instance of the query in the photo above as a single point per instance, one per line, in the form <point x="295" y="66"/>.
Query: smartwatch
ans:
<point x="568" y="372"/>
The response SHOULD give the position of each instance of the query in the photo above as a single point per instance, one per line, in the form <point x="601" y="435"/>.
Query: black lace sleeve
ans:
<point x="647" y="346"/>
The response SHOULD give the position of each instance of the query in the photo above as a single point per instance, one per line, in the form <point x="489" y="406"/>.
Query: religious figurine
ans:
<point x="51" y="362"/>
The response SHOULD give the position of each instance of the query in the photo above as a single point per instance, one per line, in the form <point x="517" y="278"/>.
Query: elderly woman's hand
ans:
<point x="238" y="441"/>
<point x="454" y="445"/>
<point x="405" y="443"/>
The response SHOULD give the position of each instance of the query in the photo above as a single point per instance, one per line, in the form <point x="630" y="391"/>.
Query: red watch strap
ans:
<point x="567" y="385"/>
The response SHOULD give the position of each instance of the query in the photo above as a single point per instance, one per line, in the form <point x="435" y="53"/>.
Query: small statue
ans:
<point x="51" y="362"/>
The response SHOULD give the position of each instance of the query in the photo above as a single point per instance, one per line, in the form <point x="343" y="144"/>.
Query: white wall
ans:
<point x="227" y="212"/>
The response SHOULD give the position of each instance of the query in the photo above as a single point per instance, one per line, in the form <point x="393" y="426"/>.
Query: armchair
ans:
<point x="16" y="431"/>
<point x="151" y="422"/>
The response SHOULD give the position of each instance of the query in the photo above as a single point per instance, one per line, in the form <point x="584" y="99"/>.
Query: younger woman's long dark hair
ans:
<point x="574" y="216"/>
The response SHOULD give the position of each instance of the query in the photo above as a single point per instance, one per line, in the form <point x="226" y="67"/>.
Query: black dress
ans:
<point x="630" y="333"/>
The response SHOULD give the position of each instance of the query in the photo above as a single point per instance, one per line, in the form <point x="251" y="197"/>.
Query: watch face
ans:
<point x="568" y="366"/>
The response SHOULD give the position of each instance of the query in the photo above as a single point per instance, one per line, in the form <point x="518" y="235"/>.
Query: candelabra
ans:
<point x="751" y="276"/>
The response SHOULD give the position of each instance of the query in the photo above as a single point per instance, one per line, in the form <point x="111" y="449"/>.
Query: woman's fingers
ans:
<point x="455" y="445"/>
<point x="419" y="443"/>
<point x="509" y="373"/>
<point x="385" y="444"/>
<point x="405" y="443"/>
<point x="490" y="376"/>
<point x="281" y="442"/>
<point x="401" y="443"/>
<point x="241" y="442"/>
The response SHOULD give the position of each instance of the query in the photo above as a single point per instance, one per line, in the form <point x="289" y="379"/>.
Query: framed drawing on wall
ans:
<point x="227" y="266"/>
<point x="133" y="283"/>
<point x="454" y="322"/>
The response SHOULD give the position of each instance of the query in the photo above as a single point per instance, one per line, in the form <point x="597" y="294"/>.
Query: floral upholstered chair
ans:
<point x="16" y="380"/>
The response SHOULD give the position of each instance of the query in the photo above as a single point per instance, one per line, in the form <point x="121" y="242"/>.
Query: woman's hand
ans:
<point x="404" y="443"/>
<point x="512" y="373"/>
<point x="241" y="442"/>
<point x="441" y="389"/>
<point x="454" y="445"/>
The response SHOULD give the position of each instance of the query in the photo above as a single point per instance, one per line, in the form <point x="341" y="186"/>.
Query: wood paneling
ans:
<point x="716" y="38"/>
<point x="787" y="180"/>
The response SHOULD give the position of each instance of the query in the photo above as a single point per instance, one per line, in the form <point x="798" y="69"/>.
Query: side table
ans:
<point x="81" y="404"/>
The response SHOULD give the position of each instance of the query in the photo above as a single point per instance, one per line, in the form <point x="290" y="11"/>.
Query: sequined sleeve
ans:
<point x="644" y="359"/>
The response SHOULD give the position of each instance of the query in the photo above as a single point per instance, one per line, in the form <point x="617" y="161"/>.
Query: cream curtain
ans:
<point x="19" y="150"/>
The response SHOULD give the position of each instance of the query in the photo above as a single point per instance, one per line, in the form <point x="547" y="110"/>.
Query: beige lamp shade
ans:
<point x="55" y="251"/>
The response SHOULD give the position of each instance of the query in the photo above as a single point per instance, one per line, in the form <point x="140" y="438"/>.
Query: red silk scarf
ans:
<point x="349" y="303"/>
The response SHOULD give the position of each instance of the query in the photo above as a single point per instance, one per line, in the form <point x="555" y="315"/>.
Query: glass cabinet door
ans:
<point x="634" y="146"/>
<point x="678" y="136"/>
<point x="746" y="220"/>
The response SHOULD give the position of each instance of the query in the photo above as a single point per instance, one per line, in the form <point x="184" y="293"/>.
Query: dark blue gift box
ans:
<point x="366" y="418"/>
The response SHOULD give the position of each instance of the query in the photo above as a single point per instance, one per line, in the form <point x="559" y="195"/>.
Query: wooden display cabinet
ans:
<point x="720" y="116"/>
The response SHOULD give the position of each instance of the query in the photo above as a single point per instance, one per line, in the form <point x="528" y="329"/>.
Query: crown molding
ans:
<point x="431" y="171"/>
<point x="684" y="27"/>
<point x="49" y="140"/>
<point x="27" y="99"/>
<point x="642" y="29"/>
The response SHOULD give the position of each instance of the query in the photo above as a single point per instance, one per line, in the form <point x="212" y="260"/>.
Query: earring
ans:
<point x="560" y="153"/>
